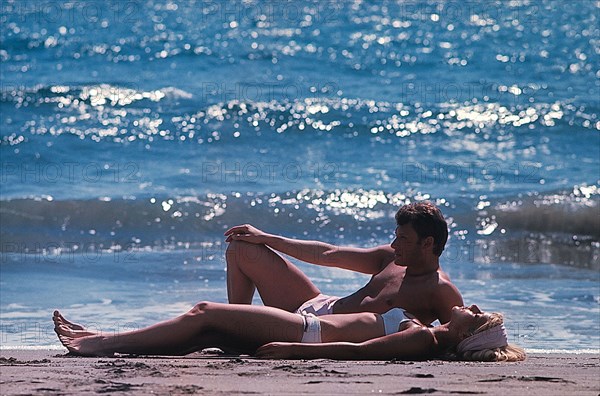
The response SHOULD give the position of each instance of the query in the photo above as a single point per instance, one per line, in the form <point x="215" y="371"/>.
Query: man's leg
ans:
<point x="280" y="283"/>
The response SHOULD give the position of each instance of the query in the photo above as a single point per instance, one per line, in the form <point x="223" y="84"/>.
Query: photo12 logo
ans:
<point x="470" y="173"/>
<point x="254" y="172"/>
<point x="475" y="13"/>
<point x="263" y="13"/>
<point x="70" y="172"/>
<point x="65" y="252"/>
<point x="267" y="91"/>
<point x="95" y="14"/>
<point x="23" y="332"/>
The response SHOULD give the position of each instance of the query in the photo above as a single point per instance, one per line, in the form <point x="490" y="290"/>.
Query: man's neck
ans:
<point x="424" y="268"/>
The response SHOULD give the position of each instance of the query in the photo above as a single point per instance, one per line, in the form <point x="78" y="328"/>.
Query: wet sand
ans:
<point x="52" y="372"/>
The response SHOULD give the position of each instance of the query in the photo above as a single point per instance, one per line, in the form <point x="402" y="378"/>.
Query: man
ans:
<point x="405" y="274"/>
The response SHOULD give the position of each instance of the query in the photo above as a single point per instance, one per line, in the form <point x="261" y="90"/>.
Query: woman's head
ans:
<point x="483" y="336"/>
<point x="468" y="319"/>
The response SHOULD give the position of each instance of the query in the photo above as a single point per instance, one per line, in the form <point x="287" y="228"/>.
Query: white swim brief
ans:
<point x="312" y="329"/>
<point x="320" y="305"/>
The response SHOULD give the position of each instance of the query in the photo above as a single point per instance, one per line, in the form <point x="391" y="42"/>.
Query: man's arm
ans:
<point x="368" y="261"/>
<point x="416" y="342"/>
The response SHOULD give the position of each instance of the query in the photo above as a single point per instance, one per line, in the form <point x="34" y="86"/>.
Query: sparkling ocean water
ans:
<point x="134" y="133"/>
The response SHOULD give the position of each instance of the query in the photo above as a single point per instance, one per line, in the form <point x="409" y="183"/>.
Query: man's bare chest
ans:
<point x="398" y="289"/>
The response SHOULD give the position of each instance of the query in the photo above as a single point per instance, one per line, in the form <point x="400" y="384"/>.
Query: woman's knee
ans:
<point x="200" y="317"/>
<point x="201" y="308"/>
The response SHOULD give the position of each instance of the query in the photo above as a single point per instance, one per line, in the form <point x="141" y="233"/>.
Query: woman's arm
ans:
<point x="416" y="342"/>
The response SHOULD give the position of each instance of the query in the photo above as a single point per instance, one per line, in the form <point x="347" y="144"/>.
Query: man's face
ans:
<point x="406" y="245"/>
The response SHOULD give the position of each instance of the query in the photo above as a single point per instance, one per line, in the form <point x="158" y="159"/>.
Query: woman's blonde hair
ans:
<point x="509" y="353"/>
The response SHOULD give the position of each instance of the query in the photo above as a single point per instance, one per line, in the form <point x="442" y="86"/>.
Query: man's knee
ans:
<point x="241" y="251"/>
<point x="235" y="246"/>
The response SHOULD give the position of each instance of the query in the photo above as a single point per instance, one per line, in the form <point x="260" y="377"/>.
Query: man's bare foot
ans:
<point x="73" y="330"/>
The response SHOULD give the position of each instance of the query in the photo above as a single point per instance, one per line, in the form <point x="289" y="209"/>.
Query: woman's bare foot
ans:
<point x="74" y="326"/>
<point x="78" y="340"/>
<point x="83" y="346"/>
<point x="73" y="330"/>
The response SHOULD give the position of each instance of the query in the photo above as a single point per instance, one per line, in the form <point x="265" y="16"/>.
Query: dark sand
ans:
<point x="51" y="372"/>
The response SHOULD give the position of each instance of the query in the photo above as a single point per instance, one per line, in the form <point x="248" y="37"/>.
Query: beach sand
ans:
<point x="52" y="372"/>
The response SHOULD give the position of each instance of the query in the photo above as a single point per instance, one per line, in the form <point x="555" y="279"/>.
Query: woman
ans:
<point x="472" y="334"/>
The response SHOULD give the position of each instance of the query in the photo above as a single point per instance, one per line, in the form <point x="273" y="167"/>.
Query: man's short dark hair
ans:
<point x="427" y="220"/>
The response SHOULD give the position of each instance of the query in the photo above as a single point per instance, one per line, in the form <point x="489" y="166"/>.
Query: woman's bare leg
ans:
<point x="246" y="325"/>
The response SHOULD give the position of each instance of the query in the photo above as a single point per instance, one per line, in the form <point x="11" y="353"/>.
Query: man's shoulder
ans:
<point x="385" y="254"/>
<point x="383" y="249"/>
<point x="445" y="288"/>
<point x="443" y="276"/>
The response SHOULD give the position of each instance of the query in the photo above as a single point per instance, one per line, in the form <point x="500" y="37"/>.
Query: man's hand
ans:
<point x="276" y="350"/>
<point x="246" y="233"/>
